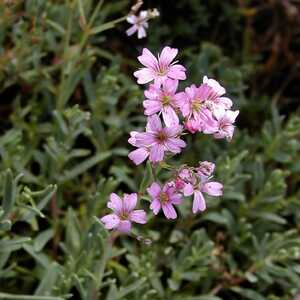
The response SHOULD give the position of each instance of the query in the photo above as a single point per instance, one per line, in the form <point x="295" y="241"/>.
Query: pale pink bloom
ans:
<point x="225" y="119"/>
<point x="162" y="100"/>
<point x="158" y="139"/>
<point x="159" y="69"/>
<point x="123" y="213"/>
<point x="139" y="155"/>
<point x="164" y="198"/>
<point x="218" y="92"/>
<point x="140" y="24"/>
<point x="193" y="105"/>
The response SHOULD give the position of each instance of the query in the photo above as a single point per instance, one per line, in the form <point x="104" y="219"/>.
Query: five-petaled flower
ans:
<point x="123" y="213"/>
<point x="157" y="140"/>
<point x="140" y="24"/>
<point x="164" y="198"/>
<point x="162" y="100"/>
<point x="159" y="69"/>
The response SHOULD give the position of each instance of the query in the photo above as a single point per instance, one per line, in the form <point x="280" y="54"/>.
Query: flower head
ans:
<point x="159" y="69"/>
<point x="140" y="24"/>
<point x="164" y="198"/>
<point x="157" y="139"/>
<point x="162" y="100"/>
<point x="123" y="213"/>
<point x="225" y="119"/>
<point x="197" y="183"/>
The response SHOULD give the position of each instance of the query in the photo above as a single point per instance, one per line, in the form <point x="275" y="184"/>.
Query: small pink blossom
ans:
<point x="158" y="140"/>
<point x="162" y="100"/>
<point x="164" y="198"/>
<point x="123" y="213"/>
<point x="196" y="181"/>
<point x="140" y="24"/>
<point x="212" y="188"/>
<point x="159" y="69"/>
<point x="225" y="119"/>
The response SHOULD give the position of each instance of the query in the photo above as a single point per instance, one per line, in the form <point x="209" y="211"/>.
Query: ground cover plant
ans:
<point x="92" y="206"/>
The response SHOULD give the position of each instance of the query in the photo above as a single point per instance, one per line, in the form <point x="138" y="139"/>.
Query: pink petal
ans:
<point x="170" y="86"/>
<point x="199" y="202"/>
<point x="169" y="116"/>
<point x="142" y="32"/>
<point x="156" y="153"/>
<point x="188" y="190"/>
<point x="130" y="31"/>
<point x="129" y="202"/>
<point x="115" y="203"/>
<point x="226" y="102"/>
<point x="231" y="115"/>
<point x="154" y="190"/>
<point x="173" y="130"/>
<point x="152" y="107"/>
<point x="110" y="221"/>
<point x="175" y="144"/>
<point x="144" y="75"/>
<point x="153" y="124"/>
<point x="169" y="211"/>
<point x="138" y="155"/>
<point x="124" y="226"/>
<point x="148" y="59"/>
<point x="176" y="199"/>
<point x="213" y="188"/>
<point x="155" y="206"/>
<point x="144" y="139"/>
<point x="138" y="216"/>
<point x="167" y="55"/>
<point x="215" y="85"/>
<point x="132" y="139"/>
<point x="132" y="19"/>
<point x="177" y="72"/>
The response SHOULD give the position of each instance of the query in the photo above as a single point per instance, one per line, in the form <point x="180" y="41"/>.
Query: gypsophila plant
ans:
<point x="203" y="109"/>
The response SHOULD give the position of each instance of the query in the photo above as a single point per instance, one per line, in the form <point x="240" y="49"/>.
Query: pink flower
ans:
<point x="162" y="99"/>
<point x="123" y="213"/>
<point x="158" y="140"/>
<point x="164" y="198"/>
<point x="140" y="24"/>
<point x="159" y="69"/>
<point x="225" y="119"/>
<point x="193" y="106"/>
<point x="190" y="183"/>
<point x="212" y="188"/>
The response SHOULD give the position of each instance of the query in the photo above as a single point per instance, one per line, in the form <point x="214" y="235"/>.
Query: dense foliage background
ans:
<point x="68" y="103"/>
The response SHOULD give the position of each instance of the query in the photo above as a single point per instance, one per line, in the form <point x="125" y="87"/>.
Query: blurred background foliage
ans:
<point x="68" y="103"/>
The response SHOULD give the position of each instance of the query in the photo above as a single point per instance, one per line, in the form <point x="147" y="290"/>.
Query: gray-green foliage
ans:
<point x="72" y="102"/>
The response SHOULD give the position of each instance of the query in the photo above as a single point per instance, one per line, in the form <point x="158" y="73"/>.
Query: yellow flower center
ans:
<point x="164" y="198"/>
<point x="166" y="100"/>
<point x="196" y="105"/>
<point x="161" y="136"/>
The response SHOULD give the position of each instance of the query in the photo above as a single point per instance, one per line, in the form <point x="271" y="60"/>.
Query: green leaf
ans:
<point x="14" y="244"/>
<point x="84" y="166"/>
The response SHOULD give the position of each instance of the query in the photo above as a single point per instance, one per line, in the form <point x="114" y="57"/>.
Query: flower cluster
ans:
<point x="140" y="22"/>
<point x="170" y="115"/>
